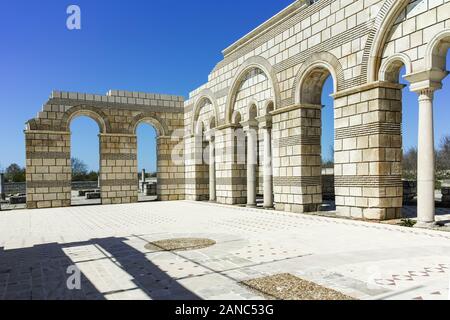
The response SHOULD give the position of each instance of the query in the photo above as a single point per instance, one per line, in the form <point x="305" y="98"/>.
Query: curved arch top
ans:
<point x="391" y="66"/>
<point x="435" y="54"/>
<point x="159" y="125"/>
<point x="92" y="112"/>
<point x="251" y="63"/>
<point x="320" y="60"/>
<point x="386" y="18"/>
<point x="205" y="94"/>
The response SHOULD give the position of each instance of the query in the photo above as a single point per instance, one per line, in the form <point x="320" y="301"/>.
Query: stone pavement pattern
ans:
<point x="363" y="260"/>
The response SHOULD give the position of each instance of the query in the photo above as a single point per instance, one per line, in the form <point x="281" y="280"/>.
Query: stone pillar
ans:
<point x="48" y="170"/>
<point x="143" y="180"/>
<point x="2" y="186"/>
<point x="171" y="169"/>
<point x="230" y="165"/>
<point x="251" y="132"/>
<point x="426" y="159"/>
<point x="265" y="123"/>
<point x="368" y="151"/>
<point x="118" y="170"/>
<point x="212" y="166"/>
<point x="297" y="158"/>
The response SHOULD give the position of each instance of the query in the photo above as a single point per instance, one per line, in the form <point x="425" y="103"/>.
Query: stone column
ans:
<point x="425" y="83"/>
<point x="426" y="159"/>
<point x="268" y="175"/>
<point x="2" y="186"/>
<point x="251" y="130"/>
<point x="265" y="123"/>
<point x="143" y="180"/>
<point x="212" y="166"/>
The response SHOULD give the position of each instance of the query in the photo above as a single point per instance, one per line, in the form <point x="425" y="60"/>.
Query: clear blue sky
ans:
<point x="153" y="46"/>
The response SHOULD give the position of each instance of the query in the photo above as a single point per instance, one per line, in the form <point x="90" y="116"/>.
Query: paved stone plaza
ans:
<point x="360" y="259"/>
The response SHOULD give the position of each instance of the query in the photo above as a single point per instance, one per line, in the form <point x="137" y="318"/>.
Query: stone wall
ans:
<point x="328" y="192"/>
<point x="446" y="193"/>
<point x="368" y="152"/>
<point x="286" y="60"/>
<point x="118" y="173"/>
<point x="48" y="170"/>
<point x="21" y="187"/>
<point x="117" y="114"/>
<point x="15" y="187"/>
<point x="409" y="191"/>
<point x="297" y="158"/>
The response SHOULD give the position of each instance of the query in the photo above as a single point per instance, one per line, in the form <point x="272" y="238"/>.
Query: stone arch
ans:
<point x="212" y="122"/>
<point x="436" y="52"/>
<point x="390" y="67"/>
<point x="252" y="110"/>
<point x="31" y="125"/>
<point x="236" y="118"/>
<point x="205" y="94"/>
<point x="160" y="126"/>
<point x="256" y="62"/>
<point x="92" y="112"/>
<point x="312" y="75"/>
<point x="378" y="35"/>
<point x="268" y="107"/>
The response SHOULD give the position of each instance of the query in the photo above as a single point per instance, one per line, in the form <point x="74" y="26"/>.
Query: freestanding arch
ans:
<point x="117" y="114"/>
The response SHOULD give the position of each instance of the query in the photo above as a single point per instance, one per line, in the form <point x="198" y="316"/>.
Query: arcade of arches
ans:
<point x="253" y="131"/>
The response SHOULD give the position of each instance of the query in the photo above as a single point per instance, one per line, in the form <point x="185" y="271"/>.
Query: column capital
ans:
<point x="249" y="125"/>
<point x="265" y="121"/>
<point x="210" y="134"/>
<point x="428" y="80"/>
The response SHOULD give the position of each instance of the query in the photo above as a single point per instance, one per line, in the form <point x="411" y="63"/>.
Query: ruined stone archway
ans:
<point x="117" y="114"/>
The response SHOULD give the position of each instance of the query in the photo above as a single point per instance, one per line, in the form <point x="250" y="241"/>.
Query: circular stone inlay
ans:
<point x="182" y="244"/>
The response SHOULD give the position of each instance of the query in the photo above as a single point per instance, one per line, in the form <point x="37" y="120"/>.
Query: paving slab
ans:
<point x="106" y="245"/>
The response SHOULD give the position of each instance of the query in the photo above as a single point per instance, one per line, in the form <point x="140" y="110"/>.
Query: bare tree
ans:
<point x="443" y="155"/>
<point x="410" y="164"/>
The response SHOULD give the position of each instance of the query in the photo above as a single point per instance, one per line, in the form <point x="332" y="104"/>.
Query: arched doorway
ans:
<point x="147" y="162"/>
<point x="85" y="161"/>
<point x="327" y="146"/>
<point x="321" y="155"/>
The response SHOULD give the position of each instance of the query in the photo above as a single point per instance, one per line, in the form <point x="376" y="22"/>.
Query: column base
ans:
<point x="250" y="205"/>
<point x="269" y="208"/>
<point x="426" y="225"/>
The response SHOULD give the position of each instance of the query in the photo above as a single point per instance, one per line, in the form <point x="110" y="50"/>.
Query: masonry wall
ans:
<point x="297" y="159"/>
<point x="368" y="152"/>
<point x="48" y="171"/>
<point x="171" y="169"/>
<point x="118" y="114"/>
<point x="118" y="170"/>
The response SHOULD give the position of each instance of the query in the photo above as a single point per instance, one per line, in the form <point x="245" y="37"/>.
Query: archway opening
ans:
<point x="442" y="140"/>
<point x="316" y="89"/>
<point x="85" y="160"/>
<point x="327" y="145"/>
<point x="147" y="162"/>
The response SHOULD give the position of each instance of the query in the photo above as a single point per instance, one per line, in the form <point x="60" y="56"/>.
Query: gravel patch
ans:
<point x="289" y="287"/>
<point x="182" y="244"/>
